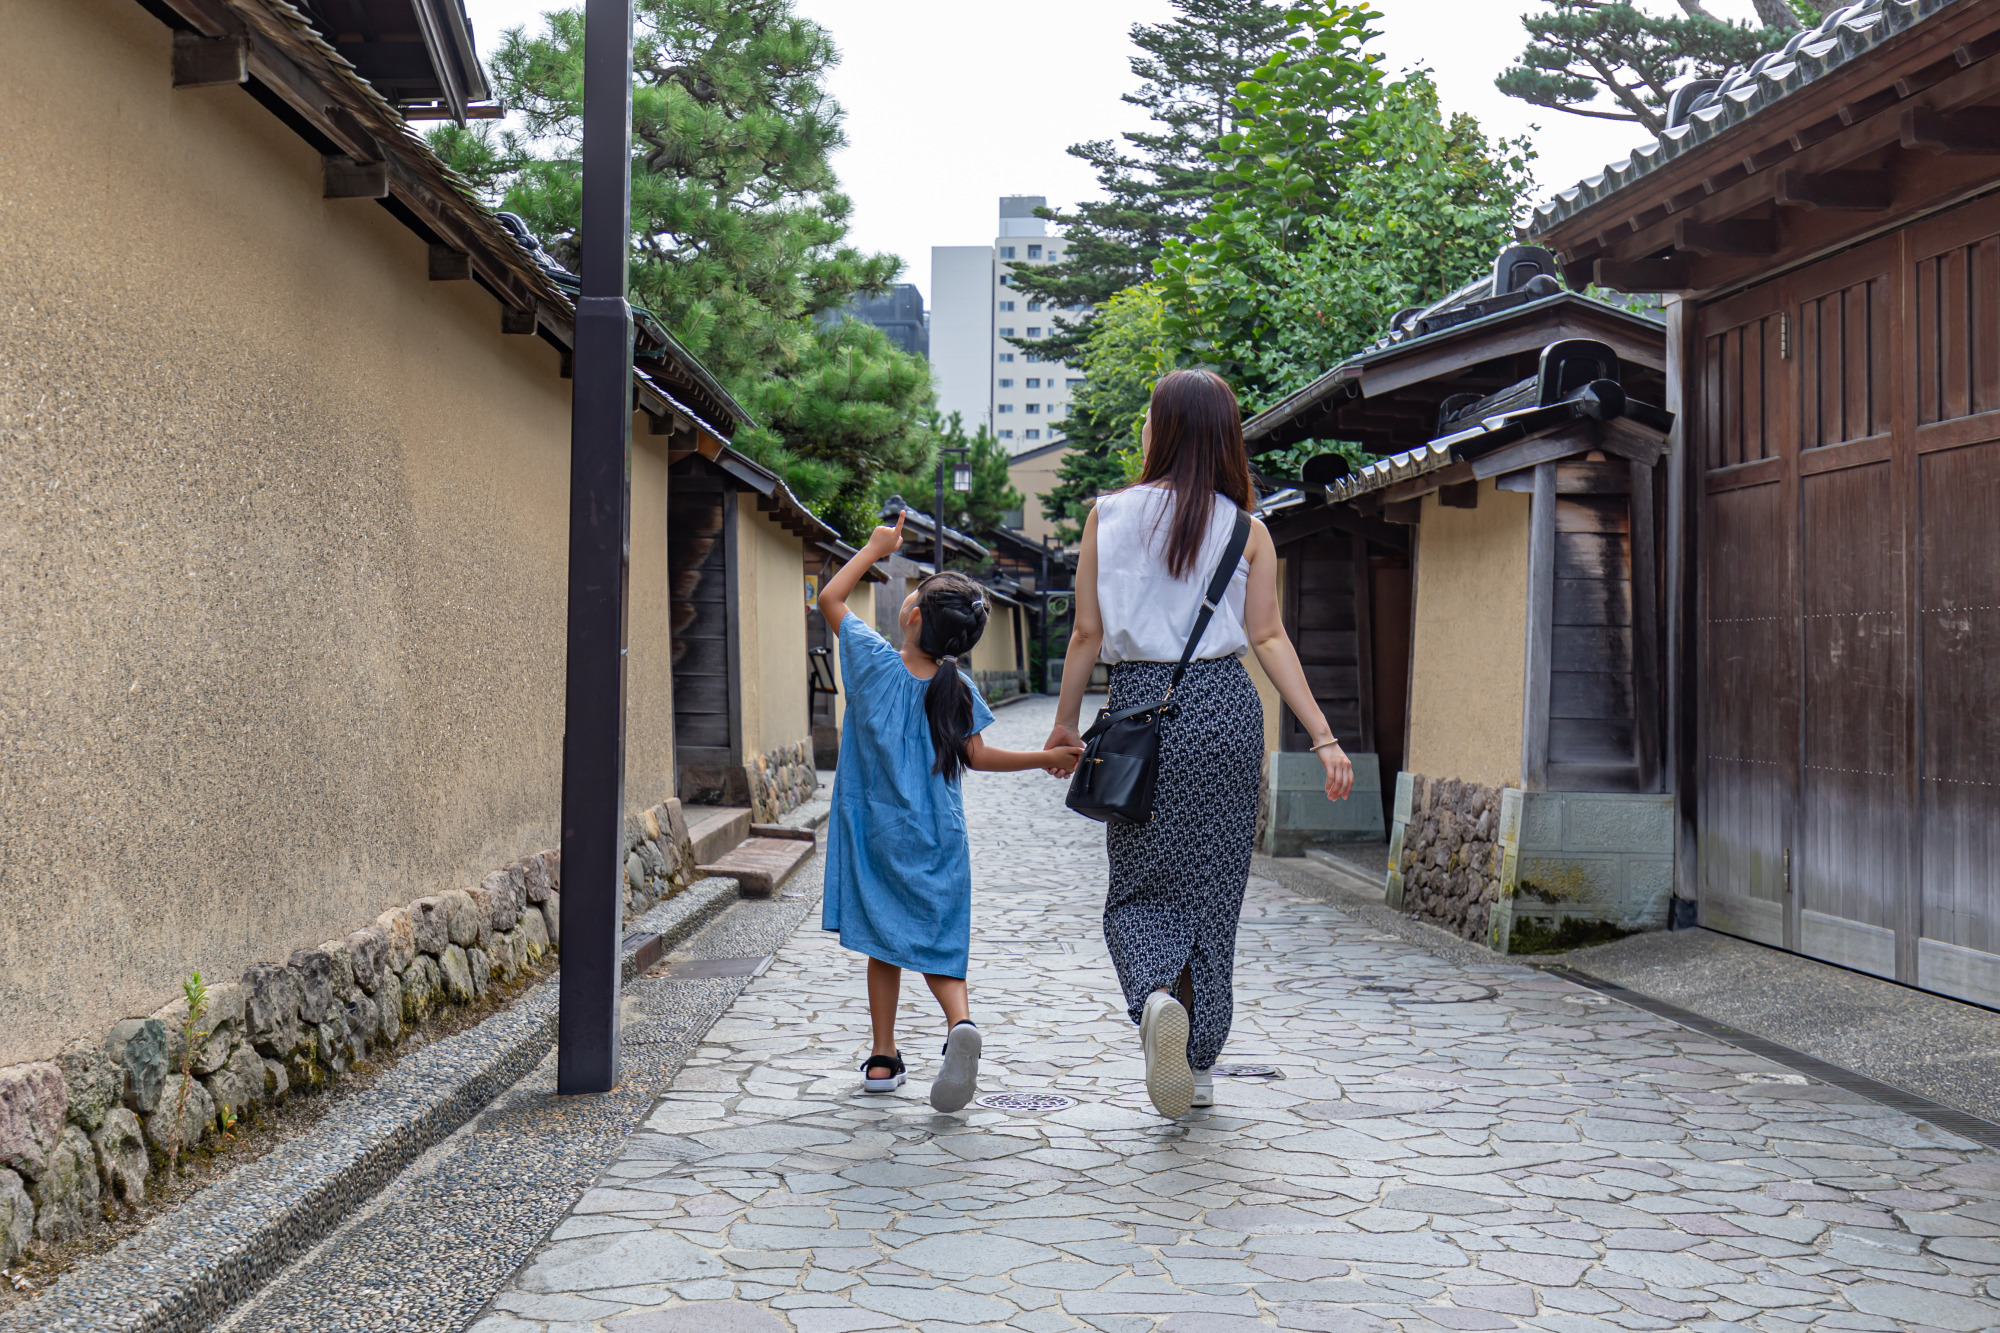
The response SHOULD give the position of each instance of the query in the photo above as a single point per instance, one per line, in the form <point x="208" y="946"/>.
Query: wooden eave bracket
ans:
<point x="1972" y="131"/>
<point x="201" y="61"/>
<point x="352" y="178"/>
<point x="1865" y="191"/>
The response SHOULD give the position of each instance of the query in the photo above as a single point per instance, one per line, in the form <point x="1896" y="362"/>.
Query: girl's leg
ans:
<point x="950" y="993"/>
<point x="885" y="989"/>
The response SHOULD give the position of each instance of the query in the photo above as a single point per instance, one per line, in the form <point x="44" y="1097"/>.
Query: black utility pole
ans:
<point x="593" y="782"/>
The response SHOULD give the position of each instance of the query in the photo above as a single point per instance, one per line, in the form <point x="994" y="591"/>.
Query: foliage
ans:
<point x="195" y="990"/>
<point x="1126" y="354"/>
<point x="1581" y="52"/>
<point x="1159" y="181"/>
<point x="850" y="409"/>
<point x="1272" y="295"/>
<point x="738" y="223"/>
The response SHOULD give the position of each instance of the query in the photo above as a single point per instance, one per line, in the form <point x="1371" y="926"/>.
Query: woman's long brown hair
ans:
<point x="1197" y="452"/>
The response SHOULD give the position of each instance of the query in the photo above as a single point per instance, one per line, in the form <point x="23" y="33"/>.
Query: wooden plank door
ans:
<point x="699" y="537"/>
<point x="1955" y="271"/>
<point x="1747" y="594"/>
<point x="1851" y="867"/>
<point x="1325" y="609"/>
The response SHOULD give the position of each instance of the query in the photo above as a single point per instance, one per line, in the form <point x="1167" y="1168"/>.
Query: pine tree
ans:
<point x="1158" y="182"/>
<point x="738" y="222"/>
<point x="1582" y="50"/>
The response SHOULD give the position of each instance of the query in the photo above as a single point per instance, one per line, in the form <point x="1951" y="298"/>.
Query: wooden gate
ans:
<point x="1848" y="447"/>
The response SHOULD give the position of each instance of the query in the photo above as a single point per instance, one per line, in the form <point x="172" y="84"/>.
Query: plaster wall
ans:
<point x="995" y="649"/>
<point x="1033" y="478"/>
<point x="772" y="606"/>
<point x="1468" y="639"/>
<point x="282" y="546"/>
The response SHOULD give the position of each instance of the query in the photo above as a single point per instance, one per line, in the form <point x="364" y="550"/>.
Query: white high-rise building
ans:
<point x="978" y="322"/>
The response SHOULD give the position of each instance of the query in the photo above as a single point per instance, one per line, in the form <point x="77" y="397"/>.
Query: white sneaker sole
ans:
<point x="1204" y="1090"/>
<point x="882" y="1084"/>
<point x="958" y="1078"/>
<point x="1163" y="1037"/>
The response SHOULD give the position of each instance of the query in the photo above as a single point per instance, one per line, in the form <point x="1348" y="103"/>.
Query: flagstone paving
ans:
<point x="1450" y="1147"/>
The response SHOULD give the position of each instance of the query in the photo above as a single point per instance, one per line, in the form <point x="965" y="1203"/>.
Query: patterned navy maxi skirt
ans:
<point x="1177" y="882"/>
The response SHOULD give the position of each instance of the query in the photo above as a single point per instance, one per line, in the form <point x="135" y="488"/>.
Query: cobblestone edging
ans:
<point x="187" y="1269"/>
<point x="96" y="1127"/>
<point x="1448" y="861"/>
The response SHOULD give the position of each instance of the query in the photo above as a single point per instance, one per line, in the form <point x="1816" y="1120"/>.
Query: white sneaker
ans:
<point x="1163" y="1036"/>
<point x="958" y="1076"/>
<point x="1204" y="1088"/>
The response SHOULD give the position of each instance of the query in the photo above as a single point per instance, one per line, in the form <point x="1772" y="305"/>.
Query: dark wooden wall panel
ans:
<point x="1749" y="703"/>
<point x="1853" y="815"/>
<point x="1844" y="357"/>
<point x="1959" y="496"/>
<point x="697" y="559"/>
<point x="1591" y="710"/>
<point x="1321" y="614"/>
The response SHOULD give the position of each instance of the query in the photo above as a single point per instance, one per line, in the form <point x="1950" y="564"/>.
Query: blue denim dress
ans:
<point x="898" y="867"/>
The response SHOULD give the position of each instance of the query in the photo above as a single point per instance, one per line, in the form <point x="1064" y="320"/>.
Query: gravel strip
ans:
<point x="192" y="1264"/>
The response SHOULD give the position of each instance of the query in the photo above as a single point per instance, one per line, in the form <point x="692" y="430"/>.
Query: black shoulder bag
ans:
<point x="1115" y="780"/>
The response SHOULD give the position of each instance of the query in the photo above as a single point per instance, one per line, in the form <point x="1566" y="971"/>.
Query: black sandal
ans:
<point x="892" y="1063"/>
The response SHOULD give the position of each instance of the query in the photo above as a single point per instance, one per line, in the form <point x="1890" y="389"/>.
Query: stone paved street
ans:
<point x="1450" y="1147"/>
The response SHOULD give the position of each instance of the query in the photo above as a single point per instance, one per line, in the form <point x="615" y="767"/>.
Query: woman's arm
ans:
<point x="986" y="759"/>
<point x="1266" y="630"/>
<point x="833" y="597"/>
<point x="1085" y="637"/>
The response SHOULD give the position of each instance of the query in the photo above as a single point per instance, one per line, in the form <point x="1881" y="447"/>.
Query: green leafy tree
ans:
<point x="739" y="226"/>
<point x="1611" y="60"/>
<point x="1158" y="181"/>
<point x="1129" y="349"/>
<point x="847" y="411"/>
<point x="1427" y="203"/>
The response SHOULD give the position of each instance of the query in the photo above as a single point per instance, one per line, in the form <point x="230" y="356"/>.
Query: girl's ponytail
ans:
<point x="954" y="617"/>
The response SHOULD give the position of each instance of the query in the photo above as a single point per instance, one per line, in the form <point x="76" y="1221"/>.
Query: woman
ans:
<point x="1177" y="882"/>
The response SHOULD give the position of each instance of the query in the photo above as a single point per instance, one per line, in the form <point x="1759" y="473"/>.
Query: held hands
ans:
<point x="887" y="541"/>
<point x="1061" y="759"/>
<point x="1064" y="747"/>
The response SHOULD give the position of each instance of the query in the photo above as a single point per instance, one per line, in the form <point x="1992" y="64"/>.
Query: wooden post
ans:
<point x="1645" y="630"/>
<point x="1541" y="632"/>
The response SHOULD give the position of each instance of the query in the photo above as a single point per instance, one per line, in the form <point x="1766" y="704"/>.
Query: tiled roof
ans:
<point x="1845" y="35"/>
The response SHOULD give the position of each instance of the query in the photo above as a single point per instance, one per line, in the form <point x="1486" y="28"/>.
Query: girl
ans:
<point x="898" y="868"/>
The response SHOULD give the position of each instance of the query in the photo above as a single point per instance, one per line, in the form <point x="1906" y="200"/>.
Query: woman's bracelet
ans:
<point x="1322" y="745"/>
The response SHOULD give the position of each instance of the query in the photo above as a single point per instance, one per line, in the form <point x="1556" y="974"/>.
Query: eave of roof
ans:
<point x="291" y="58"/>
<point x="1843" y="36"/>
<point x="1387" y="351"/>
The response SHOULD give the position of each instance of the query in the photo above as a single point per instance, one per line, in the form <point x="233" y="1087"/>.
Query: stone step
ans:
<point x="760" y="865"/>
<point x="714" y="829"/>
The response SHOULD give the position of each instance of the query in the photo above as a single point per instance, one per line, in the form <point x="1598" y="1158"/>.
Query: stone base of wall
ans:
<point x="1298" y="815"/>
<point x="773" y="786"/>
<point x="1587" y="867"/>
<point x="781" y="781"/>
<point x="1531" y="871"/>
<point x="1444" y="852"/>
<point x="997" y="685"/>
<point x="94" y="1130"/>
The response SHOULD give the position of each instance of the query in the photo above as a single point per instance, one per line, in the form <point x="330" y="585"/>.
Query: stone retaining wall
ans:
<point x="781" y="781"/>
<point x="94" y="1129"/>
<point x="1445" y="852"/>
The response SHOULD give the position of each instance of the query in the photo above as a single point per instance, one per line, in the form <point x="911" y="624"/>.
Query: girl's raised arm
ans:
<point x="833" y="597"/>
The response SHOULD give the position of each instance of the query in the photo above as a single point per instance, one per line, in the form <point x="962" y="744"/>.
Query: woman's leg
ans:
<point x="885" y="989"/>
<point x="951" y="997"/>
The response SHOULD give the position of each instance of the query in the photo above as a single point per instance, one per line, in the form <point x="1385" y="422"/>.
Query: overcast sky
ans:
<point x="950" y="106"/>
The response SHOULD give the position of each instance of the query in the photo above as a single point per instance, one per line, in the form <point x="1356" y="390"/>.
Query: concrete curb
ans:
<point x="189" y="1266"/>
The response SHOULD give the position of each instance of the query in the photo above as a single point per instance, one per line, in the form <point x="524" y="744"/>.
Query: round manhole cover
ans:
<point x="1035" y="1103"/>
<point x="1247" y="1071"/>
<point x="1419" y="991"/>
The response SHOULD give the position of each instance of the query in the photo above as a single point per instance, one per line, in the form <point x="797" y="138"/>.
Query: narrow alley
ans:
<point x="1439" y="1147"/>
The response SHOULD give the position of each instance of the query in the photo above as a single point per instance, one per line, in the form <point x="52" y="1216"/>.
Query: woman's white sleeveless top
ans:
<point x="1148" y="613"/>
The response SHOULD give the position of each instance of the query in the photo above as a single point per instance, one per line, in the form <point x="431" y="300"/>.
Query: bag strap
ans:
<point x="1239" y="537"/>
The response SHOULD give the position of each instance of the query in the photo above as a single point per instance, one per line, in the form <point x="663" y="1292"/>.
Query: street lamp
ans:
<point x="593" y="773"/>
<point x="961" y="481"/>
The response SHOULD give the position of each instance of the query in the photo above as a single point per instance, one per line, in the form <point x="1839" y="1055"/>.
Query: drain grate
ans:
<point x="689" y="968"/>
<point x="1033" y="1103"/>
<point x="1247" y="1071"/>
